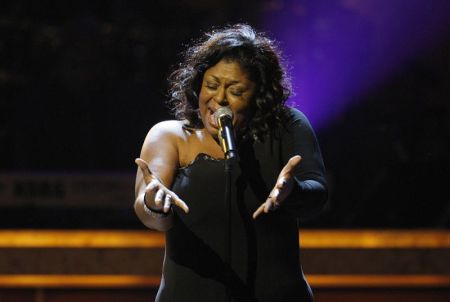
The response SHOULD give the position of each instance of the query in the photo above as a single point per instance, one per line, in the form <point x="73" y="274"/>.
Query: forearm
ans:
<point x="310" y="191"/>
<point x="306" y="199"/>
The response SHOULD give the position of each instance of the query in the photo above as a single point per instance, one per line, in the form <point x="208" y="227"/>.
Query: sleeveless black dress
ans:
<point x="264" y="262"/>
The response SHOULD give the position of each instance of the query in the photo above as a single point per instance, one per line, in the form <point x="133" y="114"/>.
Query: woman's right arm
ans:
<point x="158" y="164"/>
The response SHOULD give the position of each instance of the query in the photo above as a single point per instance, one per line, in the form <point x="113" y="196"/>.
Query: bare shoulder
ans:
<point x="171" y="131"/>
<point x="167" y="129"/>
<point x="163" y="139"/>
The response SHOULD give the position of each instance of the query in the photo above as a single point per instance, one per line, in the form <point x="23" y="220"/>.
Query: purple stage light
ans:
<point x="338" y="49"/>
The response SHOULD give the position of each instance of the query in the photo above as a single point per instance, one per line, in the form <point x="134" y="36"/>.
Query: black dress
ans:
<point x="265" y="262"/>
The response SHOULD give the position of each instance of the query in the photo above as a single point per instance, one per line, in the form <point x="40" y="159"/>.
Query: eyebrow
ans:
<point x="232" y="82"/>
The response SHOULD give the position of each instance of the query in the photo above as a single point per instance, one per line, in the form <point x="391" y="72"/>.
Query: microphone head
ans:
<point x="223" y="111"/>
<point x="224" y="119"/>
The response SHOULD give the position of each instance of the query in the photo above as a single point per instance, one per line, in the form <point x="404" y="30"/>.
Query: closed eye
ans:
<point x="237" y="93"/>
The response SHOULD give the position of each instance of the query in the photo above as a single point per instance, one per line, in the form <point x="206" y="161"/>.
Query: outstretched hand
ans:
<point x="163" y="197"/>
<point x="282" y="188"/>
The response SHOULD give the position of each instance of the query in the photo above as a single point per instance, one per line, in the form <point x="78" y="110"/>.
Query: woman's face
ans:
<point x="225" y="84"/>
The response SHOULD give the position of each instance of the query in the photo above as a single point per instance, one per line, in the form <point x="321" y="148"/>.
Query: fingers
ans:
<point x="281" y="188"/>
<point x="271" y="204"/>
<point x="142" y="164"/>
<point x="169" y="199"/>
<point x="180" y="203"/>
<point x="273" y="197"/>
<point x="294" y="161"/>
<point x="153" y="186"/>
<point x="286" y="173"/>
<point x="281" y="182"/>
<point x="159" y="196"/>
<point x="162" y="193"/>
<point x="259" y="211"/>
<point x="164" y="197"/>
<point x="265" y="208"/>
<point x="167" y="203"/>
<point x="291" y="164"/>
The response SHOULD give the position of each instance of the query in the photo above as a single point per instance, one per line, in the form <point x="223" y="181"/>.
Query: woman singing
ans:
<point x="277" y="180"/>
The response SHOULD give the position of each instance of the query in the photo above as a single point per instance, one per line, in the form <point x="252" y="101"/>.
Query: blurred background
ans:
<point x="81" y="83"/>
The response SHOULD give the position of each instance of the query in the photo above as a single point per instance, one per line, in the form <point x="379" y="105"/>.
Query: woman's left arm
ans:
<point x="301" y="187"/>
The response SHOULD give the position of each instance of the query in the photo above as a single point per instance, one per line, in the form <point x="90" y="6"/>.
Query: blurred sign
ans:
<point x="52" y="189"/>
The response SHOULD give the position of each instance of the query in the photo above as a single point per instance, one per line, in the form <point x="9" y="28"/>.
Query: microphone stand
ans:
<point x="231" y="157"/>
<point x="227" y="254"/>
<point x="226" y="138"/>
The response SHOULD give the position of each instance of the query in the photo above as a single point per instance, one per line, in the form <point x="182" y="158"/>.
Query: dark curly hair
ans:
<point x="256" y="54"/>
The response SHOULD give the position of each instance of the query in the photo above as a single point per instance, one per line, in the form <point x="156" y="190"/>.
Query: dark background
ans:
<point x="81" y="82"/>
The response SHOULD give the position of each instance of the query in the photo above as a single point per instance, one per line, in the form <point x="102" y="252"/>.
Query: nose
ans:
<point x="220" y="97"/>
<point x="223" y="102"/>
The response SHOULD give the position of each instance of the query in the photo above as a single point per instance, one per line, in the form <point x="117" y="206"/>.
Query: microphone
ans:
<point x="224" y="118"/>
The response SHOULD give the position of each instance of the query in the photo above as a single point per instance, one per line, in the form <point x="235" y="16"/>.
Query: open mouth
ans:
<point x="211" y="120"/>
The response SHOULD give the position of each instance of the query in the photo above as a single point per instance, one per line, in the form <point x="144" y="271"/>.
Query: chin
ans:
<point x="211" y="130"/>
